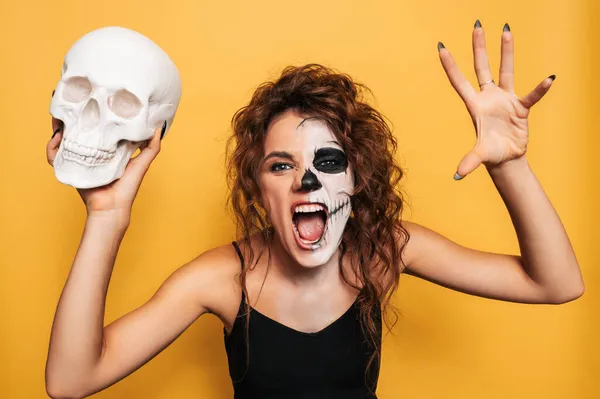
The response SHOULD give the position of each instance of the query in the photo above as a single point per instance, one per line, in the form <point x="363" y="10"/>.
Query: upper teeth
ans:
<point x="309" y="208"/>
<point x="79" y="149"/>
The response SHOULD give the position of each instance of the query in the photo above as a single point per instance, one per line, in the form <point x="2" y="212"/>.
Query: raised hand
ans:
<point x="498" y="114"/>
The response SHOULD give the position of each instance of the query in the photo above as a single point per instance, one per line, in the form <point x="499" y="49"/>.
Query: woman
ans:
<point x="302" y="293"/>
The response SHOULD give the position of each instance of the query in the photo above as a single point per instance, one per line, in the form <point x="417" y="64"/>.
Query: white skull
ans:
<point x="117" y="87"/>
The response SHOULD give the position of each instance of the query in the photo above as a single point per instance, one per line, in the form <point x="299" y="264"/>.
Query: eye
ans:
<point x="329" y="162"/>
<point x="125" y="104"/>
<point x="77" y="89"/>
<point x="278" y="167"/>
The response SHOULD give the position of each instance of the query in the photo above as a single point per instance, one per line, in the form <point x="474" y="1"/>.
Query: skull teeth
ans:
<point x="85" y="160"/>
<point x="79" y="149"/>
<point x="86" y="156"/>
<point x="340" y="206"/>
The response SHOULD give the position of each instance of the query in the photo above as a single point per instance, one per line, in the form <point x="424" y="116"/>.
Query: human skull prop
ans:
<point x="117" y="87"/>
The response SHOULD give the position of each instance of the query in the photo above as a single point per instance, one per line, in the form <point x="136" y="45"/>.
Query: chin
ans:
<point x="312" y="258"/>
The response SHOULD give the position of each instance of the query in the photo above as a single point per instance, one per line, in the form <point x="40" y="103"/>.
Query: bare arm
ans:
<point x="545" y="272"/>
<point x="84" y="356"/>
<point x="77" y="330"/>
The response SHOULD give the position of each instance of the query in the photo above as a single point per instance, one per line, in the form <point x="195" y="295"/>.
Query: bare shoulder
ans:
<point x="417" y="238"/>
<point x="411" y="244"/>
<point x="424" y="245"/>
<point x="213" y="276"/>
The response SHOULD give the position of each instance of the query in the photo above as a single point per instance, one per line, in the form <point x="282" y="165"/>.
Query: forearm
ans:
<point x="546" y="252"/>
<point x="77" y="331"/>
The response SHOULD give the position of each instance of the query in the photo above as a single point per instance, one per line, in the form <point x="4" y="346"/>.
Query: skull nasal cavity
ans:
<point x="90" y="115"/>
<point x="310" y="181"/>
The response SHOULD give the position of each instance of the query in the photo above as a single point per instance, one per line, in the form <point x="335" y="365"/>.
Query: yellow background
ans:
<point x="447" y="344"/>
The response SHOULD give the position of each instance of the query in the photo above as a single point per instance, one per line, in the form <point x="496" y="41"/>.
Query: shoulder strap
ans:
<point x="239" y="252"/>
<point x="237" y="249"/>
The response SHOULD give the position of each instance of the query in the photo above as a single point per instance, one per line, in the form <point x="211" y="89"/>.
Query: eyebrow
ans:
<point x="279" y="154"/>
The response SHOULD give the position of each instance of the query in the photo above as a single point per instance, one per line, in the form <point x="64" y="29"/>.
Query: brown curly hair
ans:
<point x="374" y="237"/>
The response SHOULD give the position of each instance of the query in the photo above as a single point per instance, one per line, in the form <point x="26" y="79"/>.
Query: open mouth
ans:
<point x="310" y="224"/>
<point x="310" y="221"/>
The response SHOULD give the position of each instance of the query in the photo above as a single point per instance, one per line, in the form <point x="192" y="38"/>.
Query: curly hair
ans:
<point x="374" y="237"/>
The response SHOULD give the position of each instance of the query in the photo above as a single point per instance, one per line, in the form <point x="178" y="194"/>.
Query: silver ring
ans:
<point x="486" y="82"/>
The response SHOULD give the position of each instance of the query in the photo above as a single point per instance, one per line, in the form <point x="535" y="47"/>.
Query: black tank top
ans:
<point x="285" y="363"/>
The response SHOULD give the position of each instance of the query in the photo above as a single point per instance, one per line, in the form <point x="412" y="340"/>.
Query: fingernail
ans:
<point x="457" y="176"/>
<point x="440" y="46"/>
<point x="477" y="24"/>
<point x="53" y="91"/>
<point x="164" y="129"/>
<point x="54" y="134"/>
<point x="506" y="28"/>
<point x="552" y="77"/>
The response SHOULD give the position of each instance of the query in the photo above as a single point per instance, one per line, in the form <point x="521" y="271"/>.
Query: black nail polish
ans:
<point x="56" y="131"/>
<point x="506" y="28"/>
<point x="164" y="129"/>
<point x="53" y="91"/>
<point x="552" y="77"/>
<point x="440" y="46"/>
<point x="477" y="24"/>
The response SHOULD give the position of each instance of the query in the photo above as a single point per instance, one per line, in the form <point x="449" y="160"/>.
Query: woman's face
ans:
<point x="306" y="184"/>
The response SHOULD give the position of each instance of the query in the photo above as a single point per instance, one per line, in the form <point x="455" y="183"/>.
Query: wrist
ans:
<point x="115" y="218"/>
<point x="514" y="166"/>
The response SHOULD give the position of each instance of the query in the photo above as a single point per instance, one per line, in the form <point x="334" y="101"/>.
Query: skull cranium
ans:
<point x="117" y="87"/>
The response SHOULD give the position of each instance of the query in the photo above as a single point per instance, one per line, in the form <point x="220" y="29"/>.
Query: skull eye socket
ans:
<point x="125" y="104"/>
<point x="77" y="89"/>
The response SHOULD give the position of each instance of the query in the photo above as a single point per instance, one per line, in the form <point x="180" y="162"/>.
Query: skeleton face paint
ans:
<point x="306" y="185"/>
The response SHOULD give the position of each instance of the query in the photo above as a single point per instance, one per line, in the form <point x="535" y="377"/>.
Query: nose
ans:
<point x="310" y="182"/>
<point x="90" y="115"/>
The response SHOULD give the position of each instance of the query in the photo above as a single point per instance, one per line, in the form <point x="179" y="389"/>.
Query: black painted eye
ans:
<point x="330" y="160"/>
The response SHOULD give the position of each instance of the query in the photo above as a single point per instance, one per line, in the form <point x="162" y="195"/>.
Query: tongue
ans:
<point x="310" y="226"/>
